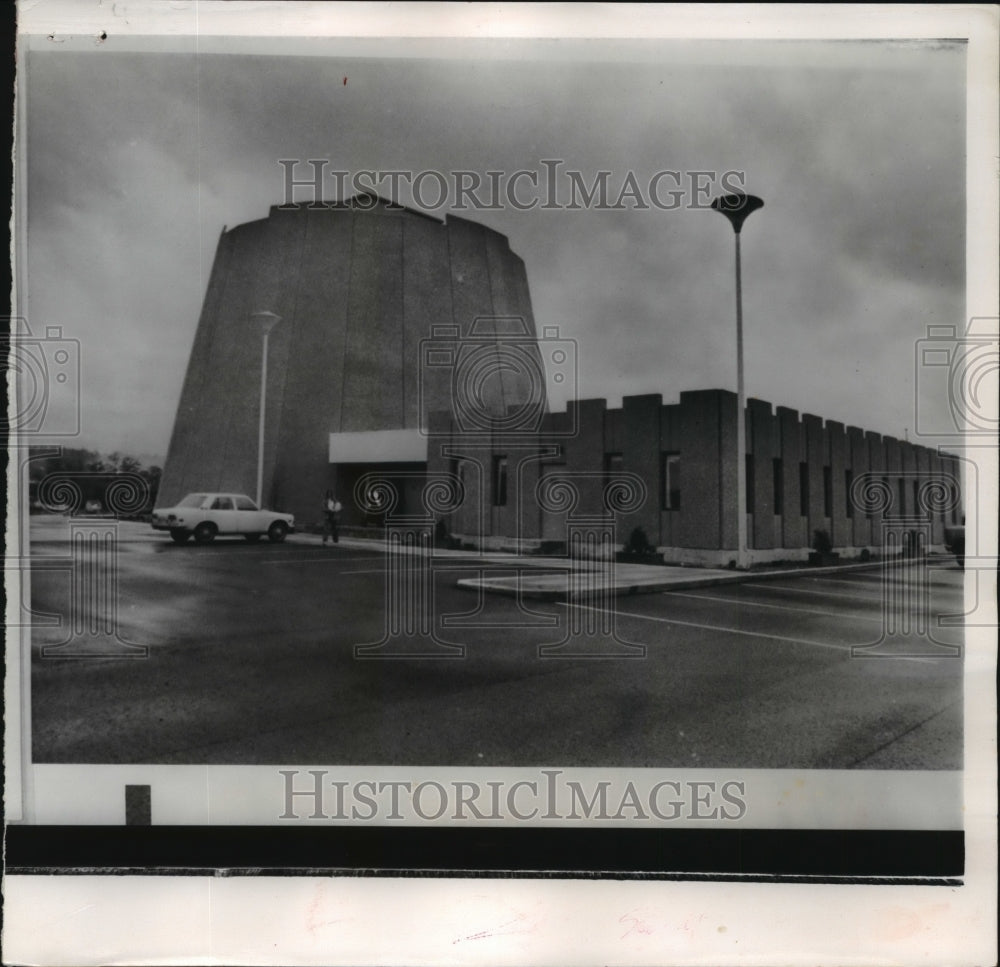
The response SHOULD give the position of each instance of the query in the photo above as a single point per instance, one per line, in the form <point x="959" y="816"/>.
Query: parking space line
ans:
<point x="776" y="607"/>
<point x="382" y="570"/>
<point x="320" y="558"/>
<point x="378" y="570"/>
<point x="440" y="563"/>
<point x="845" y="649"/>
<point x="770" y="586"/>
<point x="868" y="580"/>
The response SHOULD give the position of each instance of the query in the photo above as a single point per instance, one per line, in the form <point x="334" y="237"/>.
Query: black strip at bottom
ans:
<point x="613" y="853"/>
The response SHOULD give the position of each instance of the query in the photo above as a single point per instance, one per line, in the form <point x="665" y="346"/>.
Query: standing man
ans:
<point x="331" y="512"/>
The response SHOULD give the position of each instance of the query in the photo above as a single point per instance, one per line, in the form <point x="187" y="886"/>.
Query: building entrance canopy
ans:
<point x="378" y="446"/>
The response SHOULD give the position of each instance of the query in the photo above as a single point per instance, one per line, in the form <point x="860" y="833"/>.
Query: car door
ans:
<point x="223" y="514"/>
<point x="249" y="519"/>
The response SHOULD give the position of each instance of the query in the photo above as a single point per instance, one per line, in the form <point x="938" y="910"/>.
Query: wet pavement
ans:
<point x="296" y="652"/>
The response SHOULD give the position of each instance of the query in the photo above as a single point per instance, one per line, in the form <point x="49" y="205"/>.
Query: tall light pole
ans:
<point x="267" y="321"/>
<point x="737" y="208"/>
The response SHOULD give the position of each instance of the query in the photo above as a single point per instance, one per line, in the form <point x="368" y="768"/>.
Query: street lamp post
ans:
<point x="267" y="321"/>
<point x="737" y="208"/>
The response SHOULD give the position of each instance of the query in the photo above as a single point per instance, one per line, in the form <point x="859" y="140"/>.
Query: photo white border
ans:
<point x="321" y="920"/>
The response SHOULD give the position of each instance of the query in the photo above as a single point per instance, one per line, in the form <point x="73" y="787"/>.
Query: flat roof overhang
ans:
<point x="379" y="446"/>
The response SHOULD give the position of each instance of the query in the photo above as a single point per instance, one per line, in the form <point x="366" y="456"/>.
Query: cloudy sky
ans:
<point x="136" y="160"/>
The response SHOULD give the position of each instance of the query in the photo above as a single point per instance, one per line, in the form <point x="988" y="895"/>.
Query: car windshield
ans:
<point x="192" y="500"/>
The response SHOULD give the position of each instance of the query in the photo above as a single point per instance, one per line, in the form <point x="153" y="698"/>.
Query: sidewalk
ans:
<point x="625" y="579"/>
<point x="587" y="578"/>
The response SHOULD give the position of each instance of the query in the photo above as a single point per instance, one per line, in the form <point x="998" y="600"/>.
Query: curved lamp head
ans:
<point x="737" y="208"/>
<point x="266" y="320"/>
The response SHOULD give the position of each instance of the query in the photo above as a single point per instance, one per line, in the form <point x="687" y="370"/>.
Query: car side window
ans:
<point x="245" y="503"/>
<point x="222" y="503"/>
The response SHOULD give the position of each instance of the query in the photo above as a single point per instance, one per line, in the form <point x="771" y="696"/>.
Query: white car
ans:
<point x="207" y="516"/>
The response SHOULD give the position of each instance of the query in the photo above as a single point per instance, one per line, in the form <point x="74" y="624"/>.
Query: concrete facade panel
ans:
<point x="857" y="461"/>
<point x="278" y="285"/>
<point x="840" y="527"/>
<point x="236" y="355"/>
<point x="478" y="388"/>
<point x="762" y="449"/>
<point x="585" y="456"/>
<point x="639" y="444"/>
<point x="522" y="380"/>
<point x="909" y="476"/>
<point x="894" y="482"/>
<point x="878" y="483"/>
<point x="708" y="496"/>
<point x="314" y="396"/>
<point x="817" y="459"/>
<point x="426" y="305"/>
<point x="180" y="468"/>
<point x="793" y="524"/>
<point x="669" y="444"/>
<point x="529" y="518"/>
<point x="373" y="360"/>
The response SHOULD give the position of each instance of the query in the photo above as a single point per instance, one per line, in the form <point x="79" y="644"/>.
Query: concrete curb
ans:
<point x="509" y="586"/>
<point x="520" y="586"/>
<point x="501" y="557"/>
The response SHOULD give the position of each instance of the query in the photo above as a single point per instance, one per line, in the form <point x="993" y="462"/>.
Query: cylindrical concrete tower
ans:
<point x="378" y="303"/>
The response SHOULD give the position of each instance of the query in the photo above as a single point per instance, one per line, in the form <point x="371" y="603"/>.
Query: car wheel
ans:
<point x="277" y="532"/>
<point x="251" y="538"/>
<point x="179" y="536"/>
<point x="205" y="533"/>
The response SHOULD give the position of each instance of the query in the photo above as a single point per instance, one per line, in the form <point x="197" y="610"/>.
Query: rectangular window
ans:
<point x="670" y="481"/>
<point x="750" y="483"/>
<point x="499" y="481"/>
<point x="901" y="497"/>
<point x="803" y="489"/>
<point x="827" y="492"/>
<point x="779" y="486"/>
<point x="848" y="500"/>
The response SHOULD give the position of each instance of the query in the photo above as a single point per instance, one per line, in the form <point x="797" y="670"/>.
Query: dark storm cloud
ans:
<point x="137" y="162"/>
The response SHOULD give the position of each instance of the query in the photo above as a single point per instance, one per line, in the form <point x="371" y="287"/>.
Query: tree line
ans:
<point x="74" y="480"/>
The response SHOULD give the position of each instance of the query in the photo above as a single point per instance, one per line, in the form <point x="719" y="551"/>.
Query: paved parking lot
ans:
<point x="250" y="658"/>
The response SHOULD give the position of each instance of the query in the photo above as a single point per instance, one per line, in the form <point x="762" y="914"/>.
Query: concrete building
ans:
<point x="379" y="308"/>
<point x="407" y="357"/>
<point x="670" y="469"/>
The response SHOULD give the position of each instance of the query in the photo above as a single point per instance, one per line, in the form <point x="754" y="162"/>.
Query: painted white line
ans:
<point x="863" y="576"/>
<point x="895" y="581"/>
<point x="384" y="570"/>
<point x="845" y="649"/>
<point x="372" y="570"/>
<point x="776" y="607"/>
<point x="770" y="586"/>
<point x="318" y="558"/>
